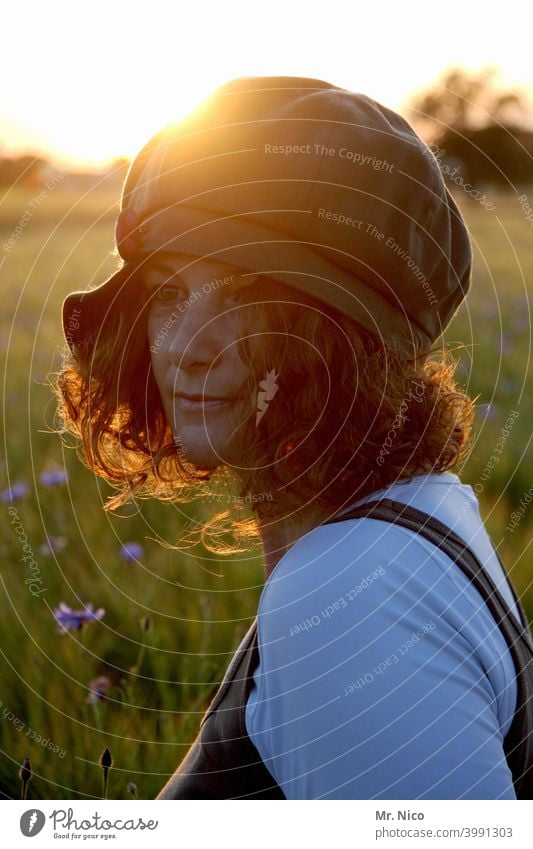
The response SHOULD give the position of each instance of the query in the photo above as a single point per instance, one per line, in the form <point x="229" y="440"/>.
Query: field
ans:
<point x="161" y="673"/>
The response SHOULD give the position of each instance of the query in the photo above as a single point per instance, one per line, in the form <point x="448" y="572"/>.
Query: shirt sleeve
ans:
<point x="382" y="672"/>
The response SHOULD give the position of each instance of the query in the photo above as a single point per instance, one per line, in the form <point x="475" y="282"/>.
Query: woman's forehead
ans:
<point x="174" y="261"/>
<point x="162" y="263"/>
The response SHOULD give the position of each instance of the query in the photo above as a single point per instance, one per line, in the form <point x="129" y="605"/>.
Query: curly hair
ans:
<point x="349" y="416"/>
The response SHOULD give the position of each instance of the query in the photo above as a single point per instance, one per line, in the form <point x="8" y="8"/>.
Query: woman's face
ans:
<point x="192" y="335"/>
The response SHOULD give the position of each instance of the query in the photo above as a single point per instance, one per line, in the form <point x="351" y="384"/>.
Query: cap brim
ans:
<point x="83" y="312"/>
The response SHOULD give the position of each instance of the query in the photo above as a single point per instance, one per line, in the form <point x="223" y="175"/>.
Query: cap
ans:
<point x="318" y="187"/>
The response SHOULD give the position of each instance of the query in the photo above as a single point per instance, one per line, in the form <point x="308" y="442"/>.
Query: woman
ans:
<point x="291" y="257"/>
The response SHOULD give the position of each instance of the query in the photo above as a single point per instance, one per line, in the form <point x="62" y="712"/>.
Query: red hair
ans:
<point x="350" y="415"/>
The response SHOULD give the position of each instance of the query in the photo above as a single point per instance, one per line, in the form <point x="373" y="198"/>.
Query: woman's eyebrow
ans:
<point x="161" y="264"/>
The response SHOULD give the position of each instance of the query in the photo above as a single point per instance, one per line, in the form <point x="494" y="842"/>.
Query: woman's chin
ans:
<point x="207" y="447"/>
<point x="203" y="457"/>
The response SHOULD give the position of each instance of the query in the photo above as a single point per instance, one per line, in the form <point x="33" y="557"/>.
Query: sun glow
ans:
<point x="91" y="82"/>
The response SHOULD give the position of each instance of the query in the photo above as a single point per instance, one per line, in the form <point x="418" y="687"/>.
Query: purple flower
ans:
<point x="131" y="551"/>
<point x="489" y="410"/>
<point x="15" y="492"/>
<point x="53" y="477"/>
<point x="52" y="545"/>
<point x="98" y="689"/>
<point x="522" y="322"/>
<point x="489" y="309"/>
<point x="509" y="387"/>
<point x="75" y="619"/>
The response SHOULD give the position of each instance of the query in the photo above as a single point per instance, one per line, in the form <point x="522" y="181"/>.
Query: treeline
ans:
<point x="481" y="134"/>
<point x="484" y="132"/>
<point x="33" y="172"/>
<point x="23" y="170"/>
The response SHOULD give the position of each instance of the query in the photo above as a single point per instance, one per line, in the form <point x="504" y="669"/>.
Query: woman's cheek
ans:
<point x="156" y="345"/>
<point x="156" y="339"/>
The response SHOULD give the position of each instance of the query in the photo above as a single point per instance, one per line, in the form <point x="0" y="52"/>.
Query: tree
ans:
<point x="477" y="125"/>
<point x="464" y="102"/>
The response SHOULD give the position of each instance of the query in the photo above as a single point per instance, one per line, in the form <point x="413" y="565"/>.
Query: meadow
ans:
<point x="138" y="680"/>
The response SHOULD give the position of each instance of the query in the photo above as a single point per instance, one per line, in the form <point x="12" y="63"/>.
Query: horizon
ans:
<point x="130" y="91"/>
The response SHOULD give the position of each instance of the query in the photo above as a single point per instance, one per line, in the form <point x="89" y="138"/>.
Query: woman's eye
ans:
<point x="167" y="293"/>
<point x="173" y="290"/>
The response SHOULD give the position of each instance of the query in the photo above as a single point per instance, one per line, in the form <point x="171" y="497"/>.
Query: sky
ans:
<point x="85" y="82"/>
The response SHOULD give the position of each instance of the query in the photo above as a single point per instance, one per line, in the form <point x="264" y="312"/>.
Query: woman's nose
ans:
<point x="196" y="337"/>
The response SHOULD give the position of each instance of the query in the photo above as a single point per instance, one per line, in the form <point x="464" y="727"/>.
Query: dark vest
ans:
<point x="223" y="763"/>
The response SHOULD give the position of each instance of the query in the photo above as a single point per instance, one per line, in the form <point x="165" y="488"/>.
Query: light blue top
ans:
<point x="382" y="672"/>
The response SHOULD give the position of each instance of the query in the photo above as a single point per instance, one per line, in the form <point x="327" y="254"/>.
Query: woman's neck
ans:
<point x="279" y="535"/>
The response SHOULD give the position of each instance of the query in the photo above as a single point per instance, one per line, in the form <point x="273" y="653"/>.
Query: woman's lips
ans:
<point x="190" y="405"/>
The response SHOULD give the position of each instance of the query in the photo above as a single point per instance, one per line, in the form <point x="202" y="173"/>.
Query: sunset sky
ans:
<point x="86" y="82"/>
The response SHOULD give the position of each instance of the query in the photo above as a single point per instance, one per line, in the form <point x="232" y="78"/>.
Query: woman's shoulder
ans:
<point x="345" y="547"/>
<point x="365" y="587"/>
<point x="392" y="564"/>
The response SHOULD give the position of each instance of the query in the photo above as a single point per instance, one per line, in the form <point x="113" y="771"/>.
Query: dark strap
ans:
<point x="518" y="743"/>
<point x="222" y="762"/>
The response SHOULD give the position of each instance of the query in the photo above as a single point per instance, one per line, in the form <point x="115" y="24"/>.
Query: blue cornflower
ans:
<point x="98" y="688"/>
<point x="131" y="551"/>
<point x="489" y="410"/>
<point x="489" y="309"/>
<point x="522" y="321"/>
<point x="15" y="492"/>
<point x="509" y="387"/>
<point x="53" y="477"/>
<point x="75" y="619"/>
<point x="52" y="545"/>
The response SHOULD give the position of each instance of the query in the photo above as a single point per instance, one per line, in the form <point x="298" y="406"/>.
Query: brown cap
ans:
<point x="318" y="187"/>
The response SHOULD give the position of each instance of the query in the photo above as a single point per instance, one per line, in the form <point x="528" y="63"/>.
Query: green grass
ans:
<point x="200" y="605"/>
